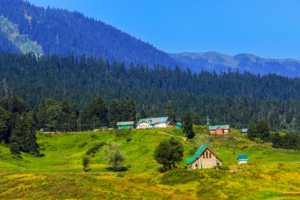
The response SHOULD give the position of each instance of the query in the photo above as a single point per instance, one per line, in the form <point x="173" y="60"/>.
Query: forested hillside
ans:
<point x="235" y="98"/>
<point x="62" y="32"/>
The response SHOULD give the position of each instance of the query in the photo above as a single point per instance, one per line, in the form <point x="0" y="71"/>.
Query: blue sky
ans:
<point x="266" y="28"/>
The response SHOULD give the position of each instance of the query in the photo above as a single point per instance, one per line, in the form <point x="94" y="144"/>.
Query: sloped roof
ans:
<point x="154" y="120"/>
<point x="244" y="130"/>
<point x="242" y="157"/>
<point x="218" y="126"/>
<point x="200" y="150"/>
<point x="179" y="123"/>
<point x="125" y="123"/>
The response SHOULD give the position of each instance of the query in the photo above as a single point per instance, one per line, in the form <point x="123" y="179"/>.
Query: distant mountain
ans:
<point x="244" y="62"/>
<point x="28" y="28"/>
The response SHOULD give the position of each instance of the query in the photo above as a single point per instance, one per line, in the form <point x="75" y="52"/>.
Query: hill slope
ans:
<point x="245" y="62"/>
<point x="61" y="32"/>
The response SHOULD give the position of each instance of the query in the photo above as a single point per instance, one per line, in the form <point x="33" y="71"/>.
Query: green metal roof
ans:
<point x="179" y="124"/>
<point x="219" y="126"/>
<point x="242" y="157"/>
<point x="200" y="150"/>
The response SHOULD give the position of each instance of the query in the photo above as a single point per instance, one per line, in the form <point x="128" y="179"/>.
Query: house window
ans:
<point x="196" y="166"/>
<point x="206" y="154"/>
<point x="209" y="155"/>
<point x="203" y="155"/>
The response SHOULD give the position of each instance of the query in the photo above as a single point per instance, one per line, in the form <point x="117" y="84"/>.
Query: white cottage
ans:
<point x="242" y="159"/>
<point x="159" y="122"/>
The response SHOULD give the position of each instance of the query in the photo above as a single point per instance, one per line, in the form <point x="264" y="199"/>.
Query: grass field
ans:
<point x="57" y="173"/>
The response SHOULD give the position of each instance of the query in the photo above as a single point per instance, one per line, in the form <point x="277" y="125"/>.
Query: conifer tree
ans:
<point x="143" y="114"/>
<point x="197" y="120"/>
<point x="277" y="140"/>
<point x="263" y="130"/>
<point x="3" y="121"/>
<point x="170" y="113"/>
<point x="188" y="126"/>
<point x="251" y="132"/>
<point x="113" y="113"/>
<point x="130" y="107"/>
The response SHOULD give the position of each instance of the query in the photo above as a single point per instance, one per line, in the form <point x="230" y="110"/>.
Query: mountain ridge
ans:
<point x="244" y="62"/>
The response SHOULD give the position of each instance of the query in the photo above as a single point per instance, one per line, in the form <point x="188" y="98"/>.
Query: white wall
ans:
<point x="242" y="162"/>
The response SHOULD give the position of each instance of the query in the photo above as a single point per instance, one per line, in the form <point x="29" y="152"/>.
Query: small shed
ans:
<point x="104" y="128"/>
<point x="125" y="125"/>
<point x="244" y="131"/>
<point x="242" y="158"/>
<point x="178" y="125"/>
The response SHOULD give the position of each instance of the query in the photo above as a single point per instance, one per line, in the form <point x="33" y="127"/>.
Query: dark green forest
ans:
<point x="230" y="97"/>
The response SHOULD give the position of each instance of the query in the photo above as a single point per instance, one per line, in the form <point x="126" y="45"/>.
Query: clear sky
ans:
<point x="266" y="28"/>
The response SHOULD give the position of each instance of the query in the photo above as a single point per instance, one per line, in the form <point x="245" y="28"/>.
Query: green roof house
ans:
<point x="203" y="158"/>
<point x="178" y="125"/>
<point x="125" y="125"/>
<point x="242" y="158"/>
<point x="158" y="122"/>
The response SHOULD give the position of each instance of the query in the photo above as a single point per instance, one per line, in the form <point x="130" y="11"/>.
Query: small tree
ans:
<point x="197" y="120"/>
<point x="85" y="163"/>
<point x="169" y="152"/>
<point x="251" y="132"/>
<point x="15" y="149"/>
<point x="263" y="130"/>
<point x="277" y="140"/>
<point x="188" y="126"/>
<point x="113" y="156"/>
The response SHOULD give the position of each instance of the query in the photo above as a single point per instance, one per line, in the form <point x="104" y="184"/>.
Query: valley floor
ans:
<point x="57" y="173"/>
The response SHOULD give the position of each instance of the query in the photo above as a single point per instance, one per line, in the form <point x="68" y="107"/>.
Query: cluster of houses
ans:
<point x="204" y="157"/>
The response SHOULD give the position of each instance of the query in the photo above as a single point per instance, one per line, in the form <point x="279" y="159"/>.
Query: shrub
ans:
<point x="128" y="138"/>
<point x="161" y="169"/>
<point x="95" y="137"/>
<point x="82" y="144"/>
<point x="178" y="176"/>
<point x="120" y="175"/>
<point x="85" y="163"/>
<point x="222" y="167"/>
<point x="244" y="147"/>
<point x="95" y="148"/>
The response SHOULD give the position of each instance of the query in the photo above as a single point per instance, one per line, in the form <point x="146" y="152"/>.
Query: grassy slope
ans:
<point x="58" y="172"/>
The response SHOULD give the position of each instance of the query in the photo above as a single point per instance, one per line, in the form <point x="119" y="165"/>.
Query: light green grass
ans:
<point x="57" y="173"/>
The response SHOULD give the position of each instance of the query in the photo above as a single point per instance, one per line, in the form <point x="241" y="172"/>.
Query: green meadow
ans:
<point x="58" y="173"/>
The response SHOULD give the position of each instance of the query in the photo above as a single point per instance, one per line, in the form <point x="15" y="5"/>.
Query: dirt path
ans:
<point x="184" y="138"/>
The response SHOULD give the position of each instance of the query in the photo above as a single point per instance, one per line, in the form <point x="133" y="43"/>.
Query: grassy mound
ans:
<point x="180" y="176"/>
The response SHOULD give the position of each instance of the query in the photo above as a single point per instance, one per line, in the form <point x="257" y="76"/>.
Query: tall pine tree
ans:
<point x="188" y="126"/>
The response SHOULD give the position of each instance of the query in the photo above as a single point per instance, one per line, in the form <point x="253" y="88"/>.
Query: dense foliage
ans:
<point x="232" y="98"/>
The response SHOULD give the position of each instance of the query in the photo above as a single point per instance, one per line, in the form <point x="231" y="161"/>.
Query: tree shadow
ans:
<point x="41" y="155"/>
<point x="110" y="169"/>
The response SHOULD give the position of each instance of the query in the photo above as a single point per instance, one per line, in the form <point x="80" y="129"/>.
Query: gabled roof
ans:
<point x="218" y="126"/>
<point x="200" y="150"/>
<point x="125" y="123"/>
<point x="179" y="124"/>
<point x="242" y="157"/>
<point x="244" y="130"/>
<point x="154" y="120"/>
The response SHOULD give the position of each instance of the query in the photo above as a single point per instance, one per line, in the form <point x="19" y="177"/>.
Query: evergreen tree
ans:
<point x="170" y="113"/>
<point x="3" y="121"/>
<point x="130" y="107"/>
<point x="113" y="113"/>
<point x="277" y="140"/>
<point x="263" y="130"/>
<point x="251" y="132"/>
<point x="143" y="114"/>
<point x="197" y="120"/>
<point x="188" y="126"/>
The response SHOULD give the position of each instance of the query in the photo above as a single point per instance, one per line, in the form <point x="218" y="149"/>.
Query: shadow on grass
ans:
<point x="41" y="155"/>
<point x="110" y="169"/>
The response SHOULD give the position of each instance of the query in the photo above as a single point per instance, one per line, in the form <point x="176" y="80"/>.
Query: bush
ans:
<point x="121" y="175"/>
<point x="244" y="147"/>
<point x="82" y="144"/>
<point x="95" y="137"/>
<point x="128" y="138"/>
<point x="178" y="176"/>
<point x="161" y="169"/>
<point x="222" y="167"/>
<point x="95" y="148"/>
